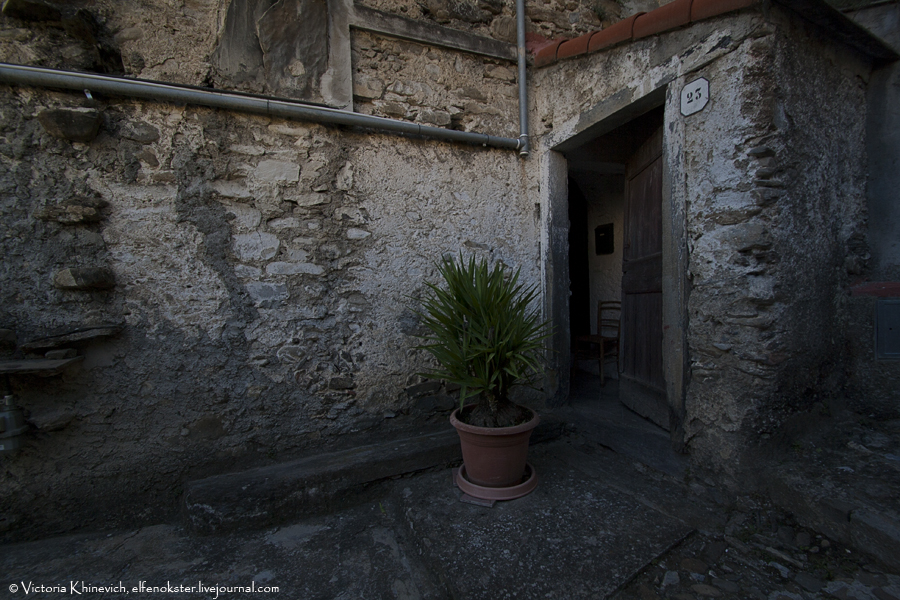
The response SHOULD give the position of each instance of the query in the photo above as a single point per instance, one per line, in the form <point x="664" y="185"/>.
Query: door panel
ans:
<point x="642" y="370"/>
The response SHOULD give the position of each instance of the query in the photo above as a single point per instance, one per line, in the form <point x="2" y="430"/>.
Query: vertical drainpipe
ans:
<point x="525" y="147"/>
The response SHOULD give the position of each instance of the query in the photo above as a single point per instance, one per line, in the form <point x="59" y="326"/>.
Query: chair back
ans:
<point x="609" y="317"/>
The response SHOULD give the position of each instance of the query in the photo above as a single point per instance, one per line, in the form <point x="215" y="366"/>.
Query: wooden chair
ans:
<point x="605" y="343"/>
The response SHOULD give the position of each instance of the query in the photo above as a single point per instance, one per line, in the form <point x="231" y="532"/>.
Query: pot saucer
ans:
<point x="502" y="493"/>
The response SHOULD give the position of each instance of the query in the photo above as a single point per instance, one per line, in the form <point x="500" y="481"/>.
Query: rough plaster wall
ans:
<point x="265" y="273"/>
<point x="605" y="204"/>
<point x="260" y="315"/>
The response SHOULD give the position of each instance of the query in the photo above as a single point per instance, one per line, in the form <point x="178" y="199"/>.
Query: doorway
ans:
<point x="615" y="254"/>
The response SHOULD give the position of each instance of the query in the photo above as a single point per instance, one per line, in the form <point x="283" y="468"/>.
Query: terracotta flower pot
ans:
<point x="494" y="456"/>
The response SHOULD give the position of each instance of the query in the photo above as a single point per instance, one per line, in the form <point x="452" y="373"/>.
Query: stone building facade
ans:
<point x="241" y="288"/>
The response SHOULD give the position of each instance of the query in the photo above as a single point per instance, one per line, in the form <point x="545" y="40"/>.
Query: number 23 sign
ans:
<point x="694" y="96"/>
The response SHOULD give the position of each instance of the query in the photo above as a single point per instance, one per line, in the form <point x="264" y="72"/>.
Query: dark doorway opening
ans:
<point x="615" y="191"/>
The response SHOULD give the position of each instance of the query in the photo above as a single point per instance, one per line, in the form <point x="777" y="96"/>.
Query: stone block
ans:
<point x="434" y="117"/>
<point x="277" y="170"/>
<point x="367" y="88"/>
<point x="293" y="268"/>
<point x="256" y="246"/>
<point x="86" y="279"/>
<point x="504" y="29"/>
<point x="748" y="236"/>
<point x="73" y="124"/>
<point x="357" y="234"/>
<point x="502" y="73"/>
<point x="31" y="10"/>
<point x="61" y="354"/>
<point x="423" y="389"/>
<point x="267" y="295"/>
<point x="140" y="132"/>
<point x="71" y="337"/>
<point x="344" y="181"/>
<point x="313" y="199"/>
<point x="69" y="214"/>
<point x="394" y="109"/>
<point x="341" y="383"/>
<point x="129" y="34"/>
<point x="291" y="354"/>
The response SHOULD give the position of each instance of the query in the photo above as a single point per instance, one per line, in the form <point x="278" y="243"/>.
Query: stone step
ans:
<point x="319" y="484"/>
<point x="839" y="512"/>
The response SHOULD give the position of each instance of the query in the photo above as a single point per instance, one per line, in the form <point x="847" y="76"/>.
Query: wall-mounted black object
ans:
<point x="887" y="329"/>
<point x="603" y="239"/>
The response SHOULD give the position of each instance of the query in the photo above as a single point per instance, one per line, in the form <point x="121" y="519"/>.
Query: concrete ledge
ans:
<point x="318" y="484"/>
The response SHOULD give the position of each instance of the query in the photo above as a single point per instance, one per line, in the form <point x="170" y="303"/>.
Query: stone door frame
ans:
<point x="595" y="122"/>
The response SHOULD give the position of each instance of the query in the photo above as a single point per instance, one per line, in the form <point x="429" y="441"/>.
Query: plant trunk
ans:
<point x="491" y="411"/>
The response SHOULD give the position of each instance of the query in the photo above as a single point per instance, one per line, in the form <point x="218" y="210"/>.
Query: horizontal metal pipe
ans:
<point x="262" y="105"/>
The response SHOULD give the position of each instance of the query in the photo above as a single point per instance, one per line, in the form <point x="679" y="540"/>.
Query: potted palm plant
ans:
<point x="487" y="338"/>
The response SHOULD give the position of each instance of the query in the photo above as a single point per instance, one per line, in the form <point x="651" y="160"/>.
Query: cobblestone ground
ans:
<point x="763" y="556"/>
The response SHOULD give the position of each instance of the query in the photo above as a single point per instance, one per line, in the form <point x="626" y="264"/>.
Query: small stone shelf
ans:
<point x="78" y="335"/>
<point x="37" y="366"/>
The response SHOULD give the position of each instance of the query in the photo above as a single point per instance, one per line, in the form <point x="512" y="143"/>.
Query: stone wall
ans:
<point x="876" y="386"/>
<point x="497" y="18"/>
<point x="241" y="288"/>
<point x="765" y="197"/>
<point x="774" y="239"/>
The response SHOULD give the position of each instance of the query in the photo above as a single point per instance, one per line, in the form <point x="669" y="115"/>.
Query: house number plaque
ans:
<point x="694" y="96"/>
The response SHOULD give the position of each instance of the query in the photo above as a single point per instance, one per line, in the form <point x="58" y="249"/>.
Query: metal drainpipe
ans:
<point x="263" y="105"/>
<point x="525" y="147"/>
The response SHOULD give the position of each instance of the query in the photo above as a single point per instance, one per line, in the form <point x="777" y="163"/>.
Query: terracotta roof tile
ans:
<point x="612" y="35"/>
<point x="573" y="47"/>
<point x="673" y="15"/>
<point x="547" y="54"/>
<point x="669" y="16"/>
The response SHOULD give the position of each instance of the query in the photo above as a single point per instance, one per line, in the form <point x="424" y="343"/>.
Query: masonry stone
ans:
<point x="230" y="189"/>
<point x="256" y="246"/>
<point x="144" y="133"/>
<point x="435" y="117"/>
<point x="71" y="213"/>
<point x="268" y="294"/>
<point x="293" y="268"/>
<point x="85" y="278"/>
<point x="357" y="234"/>
<point x="368" y="88"/>
<point x="277" y="170"/>
<point x="73" y="124"/>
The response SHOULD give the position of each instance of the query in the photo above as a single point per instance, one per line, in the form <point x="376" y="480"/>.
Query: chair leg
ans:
<point x="602" y="378"/>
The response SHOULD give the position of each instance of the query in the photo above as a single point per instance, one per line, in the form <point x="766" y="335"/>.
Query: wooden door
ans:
<point x="643" y="384"/>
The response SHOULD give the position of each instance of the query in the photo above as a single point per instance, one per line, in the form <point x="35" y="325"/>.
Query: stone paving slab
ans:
<point x="356" y="553"/>
<point x="573" y="537"/>
<point x="599" y="525"/>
